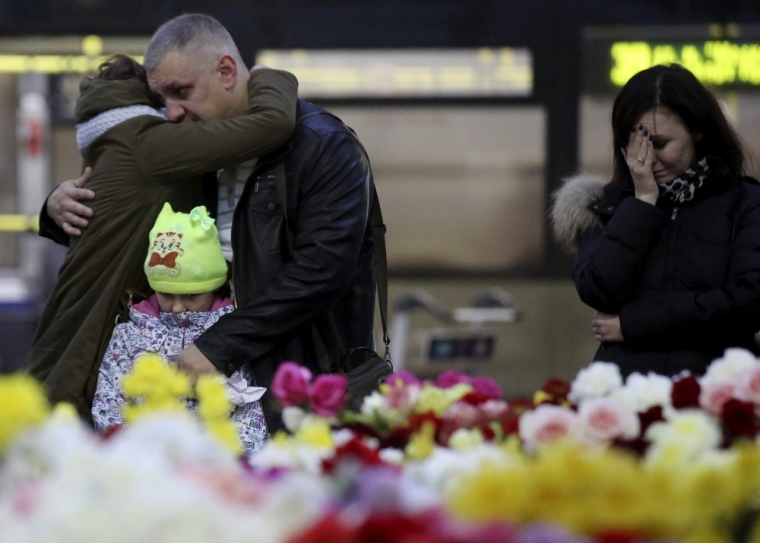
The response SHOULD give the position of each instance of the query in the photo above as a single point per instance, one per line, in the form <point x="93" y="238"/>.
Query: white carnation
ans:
<point x="292" y="418"/>
<point x="374" y="404"/>
<point x="392" y="456"/>
<point x="649" y="390"/>
<point x="595" y="381"/>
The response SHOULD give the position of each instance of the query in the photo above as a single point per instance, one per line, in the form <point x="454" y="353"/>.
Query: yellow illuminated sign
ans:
<point x="19" y="223"/>
<point x="714" y="62"/>
<point x="383" y="73"/>
<point x="52" y="64"/>
<point x="16" y="58"/>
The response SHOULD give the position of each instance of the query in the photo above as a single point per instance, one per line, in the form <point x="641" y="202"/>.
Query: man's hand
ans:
<point x="193" y="362"/>
<point x="606" y="327"/>
<point x="64" y="208"/>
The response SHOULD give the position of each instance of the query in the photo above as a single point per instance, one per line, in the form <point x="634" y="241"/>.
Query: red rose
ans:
<point x="328" y="394"/>
<point x="649" y="417"/>
<point x="392" y="527"/>
<point x="559" y="388"/>
<point x="353" y="449"/>
<point x="290" y="384"/>
<point x="475" y="398"/>
<point x="685" y="393"/>
<point x="617" y="536"/>
<point x="738" y="419"/>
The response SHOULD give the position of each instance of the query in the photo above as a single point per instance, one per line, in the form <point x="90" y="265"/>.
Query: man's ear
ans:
<point x="698" y="136"/>
<point x="228" y="70"/>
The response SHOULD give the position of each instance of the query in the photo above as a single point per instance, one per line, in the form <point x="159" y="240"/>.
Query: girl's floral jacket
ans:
<point x="152" y="330"/>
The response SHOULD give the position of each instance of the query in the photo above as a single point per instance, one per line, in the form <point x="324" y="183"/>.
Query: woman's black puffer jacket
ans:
<point x="684" y="279"/>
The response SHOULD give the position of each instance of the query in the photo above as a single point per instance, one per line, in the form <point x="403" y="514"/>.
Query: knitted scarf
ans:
<point x="89" y="131"/>
<point x="684" y="187"/>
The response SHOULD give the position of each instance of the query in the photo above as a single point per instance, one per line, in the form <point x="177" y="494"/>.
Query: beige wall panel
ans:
<point x="461" y="187"/>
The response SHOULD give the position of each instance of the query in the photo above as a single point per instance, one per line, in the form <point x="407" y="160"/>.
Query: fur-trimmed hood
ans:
<point x="570" y="214"/>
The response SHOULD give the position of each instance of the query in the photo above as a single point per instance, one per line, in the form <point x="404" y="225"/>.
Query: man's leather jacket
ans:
<point x="325" y="283"/>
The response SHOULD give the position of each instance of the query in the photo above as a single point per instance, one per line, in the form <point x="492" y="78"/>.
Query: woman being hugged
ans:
<point x="668" y="252"/>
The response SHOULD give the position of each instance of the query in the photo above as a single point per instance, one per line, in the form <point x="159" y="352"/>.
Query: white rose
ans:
<point x="595" y="381"/>
<point x="730" y="367"/>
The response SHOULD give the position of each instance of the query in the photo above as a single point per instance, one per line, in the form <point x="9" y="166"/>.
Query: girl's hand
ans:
<point x="606" y="327"/>
<point x="639" y="156"/>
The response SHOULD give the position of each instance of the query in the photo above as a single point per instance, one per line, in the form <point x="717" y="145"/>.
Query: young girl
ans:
<point x="186" y="269"/>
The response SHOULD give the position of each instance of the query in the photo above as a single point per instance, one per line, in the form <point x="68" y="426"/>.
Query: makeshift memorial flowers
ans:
<point x="596" y="460"/>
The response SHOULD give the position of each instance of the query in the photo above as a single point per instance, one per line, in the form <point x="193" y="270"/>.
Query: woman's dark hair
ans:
<point x="675" y="88"/>
<point x="123" y="67"/>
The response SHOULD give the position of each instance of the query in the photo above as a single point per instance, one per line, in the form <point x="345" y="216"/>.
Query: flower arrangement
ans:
<point x="653" y="416"/>
<point x="650" y="456"/>
<point x="153" y="386"/>
<point x="598" y="460"/>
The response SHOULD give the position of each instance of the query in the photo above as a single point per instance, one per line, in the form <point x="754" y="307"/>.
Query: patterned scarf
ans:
<point x="683" y="187"/>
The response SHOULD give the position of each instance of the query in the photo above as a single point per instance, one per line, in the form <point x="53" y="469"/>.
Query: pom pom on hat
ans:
<point x="184" y="255"/>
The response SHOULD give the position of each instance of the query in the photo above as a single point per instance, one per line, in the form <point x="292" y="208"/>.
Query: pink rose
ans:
<point x="546" y="423"/>
<point x="486" y="386"/>
<point x="600" y="420"/>
<point x="450" y="378"/>
<point x="462" y="414"/>
<point x="290" y="384"/>
<point x="403" y="397"/>
<point x="748" y="387"/>
<point x="715" y="394"/>
<point x="328" y="394"/>
<point x="404" y="377"/>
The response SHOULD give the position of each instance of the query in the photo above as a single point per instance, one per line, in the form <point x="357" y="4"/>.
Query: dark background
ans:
<point x="552" y="29"/>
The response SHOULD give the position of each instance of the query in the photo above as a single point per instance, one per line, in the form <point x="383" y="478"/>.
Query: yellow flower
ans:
<point x="281" y="438"/>
<point x="213" y="400"/>
<point x="315" y="432"/>
<point x="587" y="491"/>
<point x="214" y="411"/>
<point x="22" y="405"/>
<point x="421" y="444"/>
<point x="65" y="411"/>
<point x="159" y="385"/>
<point x="438" y="400"/>
<point x="540" y="397"/>
<point x="465" y="438"/>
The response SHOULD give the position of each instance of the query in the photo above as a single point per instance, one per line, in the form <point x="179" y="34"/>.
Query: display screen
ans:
<point x="721" y="57"/>
<point x="394" y="73"/>
<point x="715" y="62"/>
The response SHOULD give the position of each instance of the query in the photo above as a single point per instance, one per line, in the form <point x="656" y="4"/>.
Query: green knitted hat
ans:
<point x="185" y="256"/>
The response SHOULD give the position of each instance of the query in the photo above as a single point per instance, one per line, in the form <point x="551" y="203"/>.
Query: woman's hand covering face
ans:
<point x="639" y="156"/>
